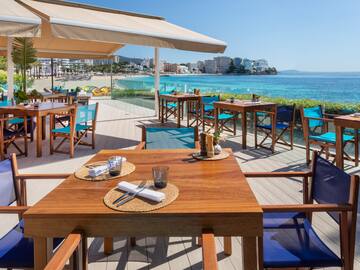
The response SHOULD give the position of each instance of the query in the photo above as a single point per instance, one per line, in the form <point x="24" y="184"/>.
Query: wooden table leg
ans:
<point x="273" y="133"/>
<point x="178" y="113"/>
<point x="339" y="147"/>
<point x="43" y="127"/>
<point x="108" y="245"/>
<point x="38" y="136"/>
<point x="249" y="253"/>
<point x="227" y="246"/>
<point x="244" y="129"/>
<point x="40" y="253"/>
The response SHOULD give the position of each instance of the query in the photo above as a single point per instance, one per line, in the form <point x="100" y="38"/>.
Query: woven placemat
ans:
<point x="222" y="155"/>
<point x="139" y="204"/>
<point x="83" y="172"/>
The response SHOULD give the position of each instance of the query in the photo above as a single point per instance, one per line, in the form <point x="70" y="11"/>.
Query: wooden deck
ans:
<point x="118" y="127"/>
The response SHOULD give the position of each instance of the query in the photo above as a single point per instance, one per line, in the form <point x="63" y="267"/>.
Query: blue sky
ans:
<point x="309" y="35"/>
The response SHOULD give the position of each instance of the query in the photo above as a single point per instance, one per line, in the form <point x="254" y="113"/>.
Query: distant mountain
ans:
<point x="130" y="59"/>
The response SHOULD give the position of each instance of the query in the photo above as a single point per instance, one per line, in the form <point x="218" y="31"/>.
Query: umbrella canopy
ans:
<point x="17" y="21"/>
<point x="89" y="23"/>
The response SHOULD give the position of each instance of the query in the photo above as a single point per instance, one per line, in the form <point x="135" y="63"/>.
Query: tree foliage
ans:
<point x="2" y="63"/>
<point x="24" y="54"/>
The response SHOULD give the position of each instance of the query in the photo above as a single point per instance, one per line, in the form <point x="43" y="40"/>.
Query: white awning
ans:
<point x="88" y="23"/>
<point x="17" y="21"/>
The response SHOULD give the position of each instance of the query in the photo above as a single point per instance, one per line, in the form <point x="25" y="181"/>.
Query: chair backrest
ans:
<point x="285" y="113"/>
<point x="7" y="183"/>
<point x="330" y="185"/>
<point x="170" y="138"/>
<point x="86" y="113"/>
<point x="5" y="103"/>
<point x="314" y="112"/>
<point x="209" y="99"/>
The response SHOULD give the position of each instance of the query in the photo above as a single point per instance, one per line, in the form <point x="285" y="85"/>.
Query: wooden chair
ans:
<point x="17" y="250"/>
<point x="285" y="121"/>
<point x="169" y="107"/>
<point x="9" y="136"/>
<point x="169" y="138"/>
<point x="72" y="249"/>
<point x="82" y="121"/>
<point x="313" y="120"/>
<point x="208" y="116"/>
<point x="290" y="241"/>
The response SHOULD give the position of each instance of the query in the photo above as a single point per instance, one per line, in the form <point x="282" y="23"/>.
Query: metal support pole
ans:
<point x="10" y="69"/>
<point x="157" y="79"/>
<point x="52" y="74"/>
<point x="111" y="76"/>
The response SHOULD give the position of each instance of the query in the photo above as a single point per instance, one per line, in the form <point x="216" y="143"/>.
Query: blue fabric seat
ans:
<point x="16" y="251"/>
<point x="299" y="246"/>
<point x="170" y="138"/>
<point x="66" y="130"/>
<point x="286" y="219"/>
<point x="171" y="105"/>
<point x="221" y="117"/>
<point x="208" y="103"/>
<point x="350" y="131"/>
<point x="278" y="126"/>
<point x="330" y="137"/>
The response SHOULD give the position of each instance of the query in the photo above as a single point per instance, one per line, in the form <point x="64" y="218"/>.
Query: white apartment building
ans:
<point x="210" y="66"/>
<point x="222" y="64"/>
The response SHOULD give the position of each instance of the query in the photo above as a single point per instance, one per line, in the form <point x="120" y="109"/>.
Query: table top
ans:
<point x="205" y="187"/>
<point x="242" y="104"/>
<point x="347" y="121"/>
<point x="43" y="106"/>
<point x="180" y="96"/>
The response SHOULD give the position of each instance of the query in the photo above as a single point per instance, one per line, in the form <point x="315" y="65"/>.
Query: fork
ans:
<point x="141" y="185"/>
<point x="130" y="197"/>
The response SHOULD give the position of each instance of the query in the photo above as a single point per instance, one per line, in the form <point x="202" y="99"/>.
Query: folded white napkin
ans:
<point x="146" y="193"/>
<point x="98" y="170"/>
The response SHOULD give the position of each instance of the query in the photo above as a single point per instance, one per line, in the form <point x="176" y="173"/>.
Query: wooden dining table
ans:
<point x="179" y="99"/>
<point x="212" y="195"/>
<point x="243" y="107"/>
<point x="39" y="113"/>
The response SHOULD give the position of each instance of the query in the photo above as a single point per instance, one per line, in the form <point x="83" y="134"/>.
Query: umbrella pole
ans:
<point x="10" y="69"/>
<point x="157" y="80"/>
<point x="52" y="74"/>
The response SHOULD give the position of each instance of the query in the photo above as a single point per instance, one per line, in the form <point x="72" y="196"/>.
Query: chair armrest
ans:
<point x="277" y="174"/>
<point x="43" y="176"/>
<point x="140" y="146"/>
<point x="209" y="251"/>
<point x="197" y="145"/>
<point x="308" y="208"/>
<point x="65" y="251"/>
<point x="267" y="112"/>
<point x="13" y="209"/>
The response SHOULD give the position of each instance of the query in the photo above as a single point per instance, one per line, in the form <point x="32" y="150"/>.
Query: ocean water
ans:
<point x="335" y="87"/>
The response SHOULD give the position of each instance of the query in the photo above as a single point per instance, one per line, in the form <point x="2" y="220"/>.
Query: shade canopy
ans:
<point x="88" y="23"/>
<point x="16" y="20"/>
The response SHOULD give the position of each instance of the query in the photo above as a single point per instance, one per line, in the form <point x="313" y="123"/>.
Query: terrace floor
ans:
<point x="117" y="127"/>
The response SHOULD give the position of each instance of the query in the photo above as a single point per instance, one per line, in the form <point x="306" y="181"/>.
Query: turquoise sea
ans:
<point x="335" y="87"/>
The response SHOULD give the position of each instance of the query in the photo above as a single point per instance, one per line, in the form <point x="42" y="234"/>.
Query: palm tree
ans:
<point x="23" y="56"/>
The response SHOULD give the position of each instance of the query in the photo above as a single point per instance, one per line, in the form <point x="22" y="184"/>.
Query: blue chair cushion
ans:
<point x="9" y="133"/>
<point x="350" y="131"/>
<point x="66" y="130"/>
<point x="208" y="107"/>
<point x="282" y="220"/>
<point x="16" y="251"/>
<point x="221" y="117"/>
<point x="171" y="105"/>
<point x="262" y="114"/>
<point x="330" y="137"/>
<point x="170" y="138"/>
<point x="15" y="121"/>
<point x="278" y="126"/>
<point x="297" y="246"/>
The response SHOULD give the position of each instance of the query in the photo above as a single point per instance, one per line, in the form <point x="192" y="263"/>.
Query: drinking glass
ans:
<point x="160" y="175"/>
<point x="114" y="166"/>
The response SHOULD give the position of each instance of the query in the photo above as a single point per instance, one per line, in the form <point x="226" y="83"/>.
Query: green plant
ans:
<point x="3" y="63"/>
<point x="23" y="56"/>
<point x="20" y="96"/>
<point x="3" y="77"/>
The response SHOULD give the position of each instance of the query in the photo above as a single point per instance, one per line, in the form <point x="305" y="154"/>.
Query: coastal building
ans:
<point x="237" y="61"/>
<point x="248" y="64"/>
<point x="261" y="65"/>
<point x="193" y="68"/>
<point x="181" y="69"/>
<point x="222" y="64"/>
<point x="169" y="67"/>
<point x="210" y="66"/>
<point x="201" y="66"/>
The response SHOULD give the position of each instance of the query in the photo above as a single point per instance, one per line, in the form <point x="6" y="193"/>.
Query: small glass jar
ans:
<point x="160" y="176"/>
<point x="114" y="166"/>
